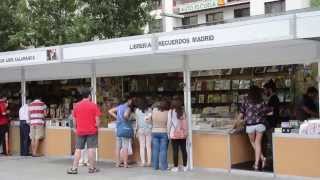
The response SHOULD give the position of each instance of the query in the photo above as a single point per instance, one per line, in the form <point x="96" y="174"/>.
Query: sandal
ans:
<point x="255" y="167"/>
<point x="72" y="171"/>
<point x="93" y="170"/>
<point x="264" y="163"/>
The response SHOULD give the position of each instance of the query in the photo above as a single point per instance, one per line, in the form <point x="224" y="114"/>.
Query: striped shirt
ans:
<point x="37" y="111"/>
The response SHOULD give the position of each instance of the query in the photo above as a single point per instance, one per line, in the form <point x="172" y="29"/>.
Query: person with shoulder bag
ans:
<point x="178" y="133"/>
<point x="124" y="130"/>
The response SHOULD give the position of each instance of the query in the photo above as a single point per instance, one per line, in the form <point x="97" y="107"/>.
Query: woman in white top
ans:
<point x="144" y="128"/>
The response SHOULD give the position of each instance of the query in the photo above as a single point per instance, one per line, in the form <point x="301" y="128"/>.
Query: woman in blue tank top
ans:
<point x="122" y="115"/>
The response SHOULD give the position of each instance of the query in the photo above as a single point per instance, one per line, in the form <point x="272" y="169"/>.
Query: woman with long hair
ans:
<point x="159" y="119"/>
<point x="254" y="111"/>
<point x="178" y="132"/>
<point x="144" y="128"/>
<point x="124" y="130"/>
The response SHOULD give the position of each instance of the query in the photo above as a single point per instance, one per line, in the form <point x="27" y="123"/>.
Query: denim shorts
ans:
<point x="90" y="140"/>
<point x="260" y="128"/>
<point x="123" y="142"/>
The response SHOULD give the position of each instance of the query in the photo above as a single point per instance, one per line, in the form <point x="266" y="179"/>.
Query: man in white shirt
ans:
<point x="24" y="130"/>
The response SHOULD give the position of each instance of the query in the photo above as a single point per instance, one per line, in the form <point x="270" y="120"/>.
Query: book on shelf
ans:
<point x="235" y="84"/>
<point x="211" y="85"/>
<point x="210" y="98"/>
<point x="201" y="99"/>
<point x="244" y="84"/>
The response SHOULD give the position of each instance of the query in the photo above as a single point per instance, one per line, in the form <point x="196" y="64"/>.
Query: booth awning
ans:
<point x="285" y="39"/>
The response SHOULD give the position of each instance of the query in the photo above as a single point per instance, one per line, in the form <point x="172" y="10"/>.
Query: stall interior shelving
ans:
<point x="217" y="94"/>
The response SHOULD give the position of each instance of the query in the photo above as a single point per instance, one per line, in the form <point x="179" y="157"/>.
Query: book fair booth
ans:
<point x="210" y="68"/>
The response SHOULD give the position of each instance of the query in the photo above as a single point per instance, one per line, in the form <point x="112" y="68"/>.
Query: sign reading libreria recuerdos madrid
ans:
<point x="175" y="42"/>
<point x="198" y="5"/>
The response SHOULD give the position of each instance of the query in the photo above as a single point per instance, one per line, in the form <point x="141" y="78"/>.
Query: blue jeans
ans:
<point x="24" y="138"/>
<point x="159" y="151"/>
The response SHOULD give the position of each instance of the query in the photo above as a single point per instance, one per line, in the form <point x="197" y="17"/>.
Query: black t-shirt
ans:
<point x="308" y="103"/>
<point x="274" y="103"/>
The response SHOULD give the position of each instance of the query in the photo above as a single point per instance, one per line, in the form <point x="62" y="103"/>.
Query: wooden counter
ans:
<point x="296" y="155"/>
<point x="107" y="146"/>
<point x="240" y="149"/>
<point x="14" y="139"/>
<point x="57" y="141"/>
<point x="211" y="150"/>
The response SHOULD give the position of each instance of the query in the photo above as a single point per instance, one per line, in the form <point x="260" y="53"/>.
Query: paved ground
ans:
<point x="22" y="168"/>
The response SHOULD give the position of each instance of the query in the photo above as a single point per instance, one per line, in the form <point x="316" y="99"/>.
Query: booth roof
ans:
<point x="285" y="39"/>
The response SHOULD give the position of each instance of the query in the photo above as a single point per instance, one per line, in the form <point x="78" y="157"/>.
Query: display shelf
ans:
<point x="210" y="104"/>
<point x="228" y="87"/>
<point x="232" y="91"/>
<point x="156" y="92"/>
<point x="243" y="76"/>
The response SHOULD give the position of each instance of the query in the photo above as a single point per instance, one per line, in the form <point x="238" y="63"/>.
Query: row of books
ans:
<point x="211" y="85"/>
<point x="231" y="98"/>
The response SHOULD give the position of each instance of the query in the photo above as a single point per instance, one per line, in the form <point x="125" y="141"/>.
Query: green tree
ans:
<point x="36" y="23"/>
<point x="315" y="3"/>
<point x="9" y="24"/>
<point x="116" y="18"/>
<point x="51" y="22"/>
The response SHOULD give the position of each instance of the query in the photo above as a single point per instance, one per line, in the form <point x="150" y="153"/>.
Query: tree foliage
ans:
<point x="36" y="23"/>
<point x="9" y="24"/>
<point x="315" y="3"/>
<point x="117" y="18"/>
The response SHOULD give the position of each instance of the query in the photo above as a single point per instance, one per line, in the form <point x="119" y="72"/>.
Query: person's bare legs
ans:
<point x="118" y="149"/>
<point x="92" y="157"/>
<point x="258" y="151"/>
<point x="36" y="146"/>
<point x="77" y="157"/>
<point x="142" y="142"/>
<point x="148" y="144"/>
<point x="252" y="138"/>
<point x="32" y="146"/>
<point x="7" y="143"/>
<point x="124" y="155"/>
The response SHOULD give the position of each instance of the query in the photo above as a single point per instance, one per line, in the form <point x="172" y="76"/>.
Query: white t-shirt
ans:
<point x="141" y="119"/>
<point x="24" y="113"/>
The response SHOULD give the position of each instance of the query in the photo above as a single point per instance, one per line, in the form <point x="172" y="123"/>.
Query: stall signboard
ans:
<point x="104" y="49"/>
<point x="263" y="31"/>
<point x="20" y="58"/>
<point x="197" y="6"/>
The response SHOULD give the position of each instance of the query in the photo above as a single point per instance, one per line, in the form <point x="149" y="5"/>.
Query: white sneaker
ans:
<point x="175" y="169"/>
<point x="185" y="169"/>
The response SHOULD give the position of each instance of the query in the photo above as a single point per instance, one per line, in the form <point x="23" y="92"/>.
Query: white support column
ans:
<point x="23" y="86"/>
<point x="93" y="83"/>
<point x="318" y="79"/>
<point x="187" y="106"/>
<point x="94" y="90"/>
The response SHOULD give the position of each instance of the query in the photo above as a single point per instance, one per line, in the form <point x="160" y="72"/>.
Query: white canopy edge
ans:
<point x="256" y="42"/>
